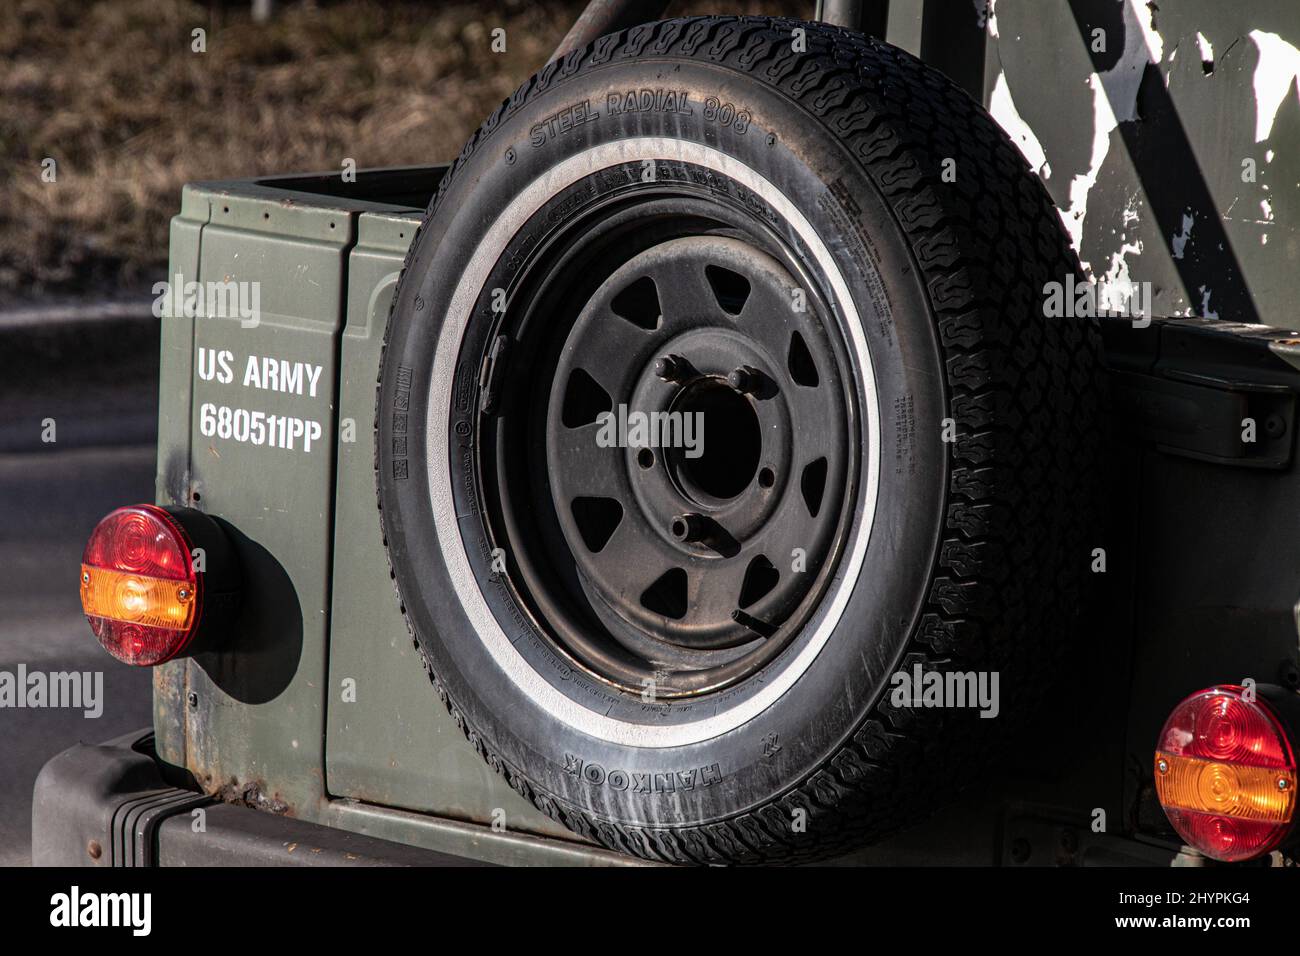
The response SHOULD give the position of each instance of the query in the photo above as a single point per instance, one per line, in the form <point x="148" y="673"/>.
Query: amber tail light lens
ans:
<point x="142" y="589"/>
<point x="1225" y="774"/>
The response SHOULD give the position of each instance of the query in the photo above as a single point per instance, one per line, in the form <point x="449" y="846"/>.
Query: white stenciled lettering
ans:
<point x="281" y="375"/>
<point x="216" y="365"/>
<point x="258" y="428"/>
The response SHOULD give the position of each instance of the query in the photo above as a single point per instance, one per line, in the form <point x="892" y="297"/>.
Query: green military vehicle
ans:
<point x="772" y="444"/>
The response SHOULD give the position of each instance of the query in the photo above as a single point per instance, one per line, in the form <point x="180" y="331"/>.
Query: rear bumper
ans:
<point x="108" y="805"/>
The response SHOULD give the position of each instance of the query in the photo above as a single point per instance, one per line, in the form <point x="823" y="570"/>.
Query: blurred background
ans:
<point x="116" y="95"/>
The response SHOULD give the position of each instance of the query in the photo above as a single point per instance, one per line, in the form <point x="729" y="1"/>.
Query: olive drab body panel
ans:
<point x="272" y="320"/>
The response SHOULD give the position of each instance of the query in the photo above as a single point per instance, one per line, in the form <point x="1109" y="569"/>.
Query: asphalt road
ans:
<point x="103" y="404"/>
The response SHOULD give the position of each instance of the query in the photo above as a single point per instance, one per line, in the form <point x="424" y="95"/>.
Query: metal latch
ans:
<point x="1228" y="422"/>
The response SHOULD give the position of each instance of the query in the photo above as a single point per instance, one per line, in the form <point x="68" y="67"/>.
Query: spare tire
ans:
<point x="833" y="258"/>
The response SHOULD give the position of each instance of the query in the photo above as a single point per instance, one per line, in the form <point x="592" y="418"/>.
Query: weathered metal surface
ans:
<point x="1168" y="135"/>
<point x="172" y="482"/>
<point x="237" y="837"/>
<point x="505" y="847"/>
<point x="255" y="706"/>
<point x="266" y="721"/>
<point x="391" y="742"/>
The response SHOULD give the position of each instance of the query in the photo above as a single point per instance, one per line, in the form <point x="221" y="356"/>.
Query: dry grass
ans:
<point x="113" y="93"/>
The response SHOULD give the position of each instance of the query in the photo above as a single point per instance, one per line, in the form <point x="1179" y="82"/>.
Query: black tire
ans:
<point x="974" y="552"/>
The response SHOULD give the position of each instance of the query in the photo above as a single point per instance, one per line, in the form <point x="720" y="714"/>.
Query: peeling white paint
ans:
<point x="1115" y="88"/>
<point x="1277" y="69"/>
<point x="1103" y="124"/>
<point x="1206" y="311"/>
<point x="1142" y="45"/>
<point x="1207" y="50"/>
<point x="1115" y="101"/>
<point x="1004" y="111"/>
<point x="1169" y="73"/>
<point x="1114" y="95"/>
<point x="1178" y="241"/>
<point x="1116" y="288"/>
<point x="981" y="12"/>
<point x="1154" y="43"/>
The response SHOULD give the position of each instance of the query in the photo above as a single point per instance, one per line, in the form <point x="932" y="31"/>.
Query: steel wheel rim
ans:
<point x="606" y="626"/>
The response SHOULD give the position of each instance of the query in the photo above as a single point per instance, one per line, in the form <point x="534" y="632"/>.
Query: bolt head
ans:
<point x="744" y="379"/>
<point x="669" y="368"/>
<point x="1162" y="765"/>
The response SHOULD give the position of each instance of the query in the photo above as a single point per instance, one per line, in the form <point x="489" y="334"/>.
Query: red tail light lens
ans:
<point x="139" y="588"/>
<point x="1226" y="774"/>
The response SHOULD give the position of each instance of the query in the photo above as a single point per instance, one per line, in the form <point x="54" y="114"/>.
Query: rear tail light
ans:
<point x="142" y="589"/>
<point x="1225" y="774"/>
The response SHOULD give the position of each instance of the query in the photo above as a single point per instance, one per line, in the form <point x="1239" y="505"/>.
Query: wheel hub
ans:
<point x="742" y="440"/>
